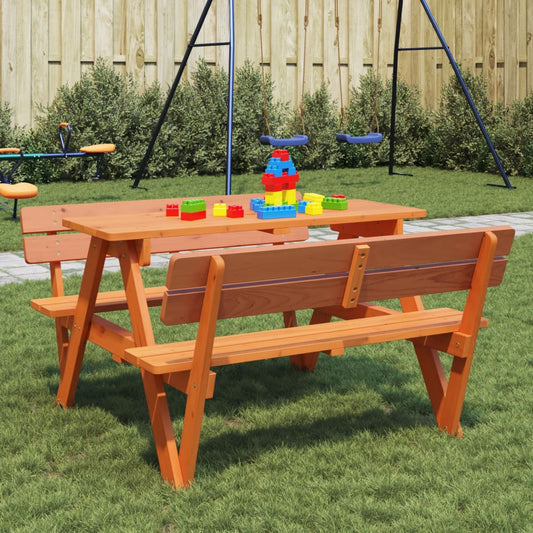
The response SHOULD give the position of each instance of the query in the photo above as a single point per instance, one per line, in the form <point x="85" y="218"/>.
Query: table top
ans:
<point x="120" y="227"/>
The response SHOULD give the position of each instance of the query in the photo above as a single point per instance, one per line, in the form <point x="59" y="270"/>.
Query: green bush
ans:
<point x="458" y="141"/>
<point x="514" y="137"/>
<point x="320" y="124"/>
<point x="10" y="135"/>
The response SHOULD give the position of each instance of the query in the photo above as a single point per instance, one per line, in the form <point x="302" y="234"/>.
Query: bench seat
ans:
<point x="331" y="338"/>
<point x="64" y="306"/>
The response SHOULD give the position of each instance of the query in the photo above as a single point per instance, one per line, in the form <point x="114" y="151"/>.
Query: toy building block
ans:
<point x="289" y="196"/>
<point x="313" y="208"/>
<point x="173" y="210"/>
<point x="276" y="211"/>
<point x="274" y="197"/>
<point x="313" y="197"/>
<point x="339" y="204"/>
<point x="235" y="211"/>
<point x="220" y="210"/>
<point x="193" y="209"/>
<point x="301" y="206"/>
<point x="338" y="196"/>
<point x="255" y="203"/>
<point x="283" y="155"/>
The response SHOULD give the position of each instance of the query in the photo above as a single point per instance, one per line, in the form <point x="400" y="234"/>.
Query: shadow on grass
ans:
<point x="257" y="406"/>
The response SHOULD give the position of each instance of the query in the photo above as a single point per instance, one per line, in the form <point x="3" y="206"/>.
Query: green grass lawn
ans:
<point x="441" y="193"/>
<point x="350" y="447"/>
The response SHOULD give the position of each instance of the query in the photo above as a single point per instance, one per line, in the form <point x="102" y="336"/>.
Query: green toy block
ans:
<point x="193" y="206"/>
<point x="340" y="204"/>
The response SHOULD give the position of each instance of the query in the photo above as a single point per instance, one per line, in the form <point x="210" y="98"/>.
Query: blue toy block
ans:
<point x="301" y="206"/>
<point x="276" y="211"/>
<point x="256" y="203"/>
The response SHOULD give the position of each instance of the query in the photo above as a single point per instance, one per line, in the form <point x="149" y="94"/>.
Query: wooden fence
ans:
<point x="47" y="43"/>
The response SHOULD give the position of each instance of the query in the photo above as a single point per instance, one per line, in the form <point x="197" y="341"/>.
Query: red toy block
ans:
<point x="173" y="210"/>
<point x="193" y="216"/>
<point x="283" y="155"/>
<point x="338" y="196"/>
<point x="235" y="211"/>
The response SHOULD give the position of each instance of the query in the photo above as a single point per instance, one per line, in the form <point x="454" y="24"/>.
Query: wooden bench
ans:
<point x="334" y="279"/>
<point x="47" y="241"/>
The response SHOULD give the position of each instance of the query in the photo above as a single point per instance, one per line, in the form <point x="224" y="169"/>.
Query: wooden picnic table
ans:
<point x="127" y="237"/>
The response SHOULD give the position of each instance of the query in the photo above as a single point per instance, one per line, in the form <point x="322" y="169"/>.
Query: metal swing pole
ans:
<point x="444" y="46"/>
<point x="395" y="89"/>
<point x="231" y="69"/>
<point x="192" y="44"/>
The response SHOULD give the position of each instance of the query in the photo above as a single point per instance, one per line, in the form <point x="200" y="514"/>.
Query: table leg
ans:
<point x="141" y="324"/>
<point x="82" y="320"/>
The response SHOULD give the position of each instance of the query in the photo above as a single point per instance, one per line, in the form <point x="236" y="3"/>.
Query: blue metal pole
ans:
<point x="466" y="92"/>
<point x="231" y="70"/>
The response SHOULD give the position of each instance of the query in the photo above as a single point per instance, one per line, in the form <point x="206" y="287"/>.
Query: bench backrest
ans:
<point x="56" y="243"/>
<point x="313" y="275"/>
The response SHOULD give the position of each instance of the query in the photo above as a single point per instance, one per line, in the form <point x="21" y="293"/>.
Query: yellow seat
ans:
<point x="104" y="148"/>
<point x="17" y="191"/>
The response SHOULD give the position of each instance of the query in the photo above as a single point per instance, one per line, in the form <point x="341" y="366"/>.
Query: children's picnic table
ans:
<point x="127" y="237"/>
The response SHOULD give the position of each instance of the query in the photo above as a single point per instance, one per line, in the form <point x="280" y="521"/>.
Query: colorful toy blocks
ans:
<point x="276" y="211"/>
<point x="193" y="209"/>
<point x="235" y="211"/>
<point x="331" y="202"/>
<point x="220" y="210"/>
<point x="173" y="210"/>
<point x="279" y="179"/>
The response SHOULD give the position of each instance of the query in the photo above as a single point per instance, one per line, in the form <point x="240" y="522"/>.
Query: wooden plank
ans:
<point x="307" y="259"/>
<point x="39" y="56"/>
<point x="135" y="39"/>
<point x="103" y="30"/>
<point x="489" y="48"/>
<point x="357" y="28"/>
<point x="510" y="54"/>
<point x="70" y="41"/>
<point x="521" y="50"/>
<point x="529" y="51"/>
<point x="164" y="46"/>
<point x="23" y="77"/>
<point x="233" y="349"/>
<point x="87" y="31"/>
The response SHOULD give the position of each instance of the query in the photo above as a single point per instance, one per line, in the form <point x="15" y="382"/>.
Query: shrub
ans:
<point x="10" y="135"/>
<point x="459" y="143"/>
<point x="320" y="125"/>
<point x="514" y="137"/>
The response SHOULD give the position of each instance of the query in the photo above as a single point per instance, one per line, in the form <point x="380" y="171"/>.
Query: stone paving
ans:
<point x="13" y="268"/>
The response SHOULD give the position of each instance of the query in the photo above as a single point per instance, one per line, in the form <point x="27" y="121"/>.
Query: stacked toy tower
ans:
<point x="280" y="179"/>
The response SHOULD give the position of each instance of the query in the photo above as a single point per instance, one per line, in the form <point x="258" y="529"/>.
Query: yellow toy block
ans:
<point x="313" y="197"/>
<point x="289" y="196"/>
<point x="274" y="197"/>
<point x="313" y="208"/>
<point x="220" y="210"/>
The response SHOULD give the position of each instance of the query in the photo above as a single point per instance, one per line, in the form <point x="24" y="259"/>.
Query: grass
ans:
<point x="441" y="193"/>
<point x="352" y="446"/>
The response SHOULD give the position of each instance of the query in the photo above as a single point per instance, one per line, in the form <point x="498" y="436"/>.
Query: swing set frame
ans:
<point x="231" y="68"/>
